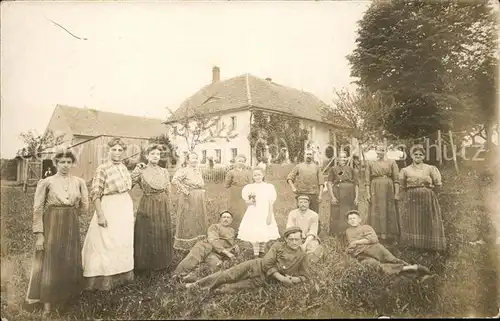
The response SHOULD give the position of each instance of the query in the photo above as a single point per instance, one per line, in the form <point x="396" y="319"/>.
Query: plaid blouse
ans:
<point x="109" y="179"/>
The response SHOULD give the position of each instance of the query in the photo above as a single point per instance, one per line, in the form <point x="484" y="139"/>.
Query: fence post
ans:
<point x="453" y="151"/>
<point x="440" y="148"/>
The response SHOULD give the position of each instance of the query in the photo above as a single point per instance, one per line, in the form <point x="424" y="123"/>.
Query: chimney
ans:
<point x="215" y="74"/>
<point x="269" y="79"/>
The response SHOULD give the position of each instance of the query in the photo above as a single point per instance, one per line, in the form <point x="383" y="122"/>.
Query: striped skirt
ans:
<point x="56" y="273"/>
<point x="153" y="233"/>
<point x="382" y="215"/>
<point x="191" y="225"/>
<point x="345" y="193"/>
<point x="421" y="220"/>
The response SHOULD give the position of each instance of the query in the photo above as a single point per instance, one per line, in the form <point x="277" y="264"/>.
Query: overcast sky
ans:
<point x="140" y="57"/>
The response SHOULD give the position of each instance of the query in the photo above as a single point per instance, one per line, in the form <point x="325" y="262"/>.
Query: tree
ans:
<point x="424" y="54"/>
<point x="35" y="144"/>
<point x="198" y="128"/>
<point x="171" y="150"/>
<point x="365" y="112"/>
<point x="486" y="86"/>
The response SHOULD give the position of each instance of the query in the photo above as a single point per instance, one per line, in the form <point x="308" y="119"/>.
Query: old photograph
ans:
<point x="249" y="159"/>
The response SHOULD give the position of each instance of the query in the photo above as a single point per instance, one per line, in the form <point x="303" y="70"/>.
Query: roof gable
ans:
<point x="92" y="122"/>
<point x="247" y="91"/>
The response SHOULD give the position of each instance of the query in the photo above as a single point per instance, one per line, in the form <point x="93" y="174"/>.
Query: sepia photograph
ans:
<point x="214" y="160"/>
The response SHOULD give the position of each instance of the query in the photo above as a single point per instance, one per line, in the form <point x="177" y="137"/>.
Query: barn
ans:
<point x="87" y="131"/>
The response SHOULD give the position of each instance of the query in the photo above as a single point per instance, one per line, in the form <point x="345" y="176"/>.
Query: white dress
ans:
<point x="253" y="227"/>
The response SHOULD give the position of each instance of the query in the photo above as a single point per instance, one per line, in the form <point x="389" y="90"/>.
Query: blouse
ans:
<point x="152" y="179"/>
<point x="339" y="174"/>
<point x="380" y="168"/>
<point x="58" y="190"/>
<point x="110" y="178"/>
<point x="187" y="179"/>
<point x="419" y="176"/>
<point x="236" y="177"/>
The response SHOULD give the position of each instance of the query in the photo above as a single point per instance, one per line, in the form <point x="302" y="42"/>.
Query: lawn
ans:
<point x="467" y="286"/>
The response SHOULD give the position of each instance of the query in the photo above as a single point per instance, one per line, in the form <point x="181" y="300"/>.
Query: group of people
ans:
<point x="118" y="242"/>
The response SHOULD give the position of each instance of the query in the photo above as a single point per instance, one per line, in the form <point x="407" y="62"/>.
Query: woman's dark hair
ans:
<point x="67" y="153"/>
<point x="224" y="212"/>
<point x="153" y="147"/>
<point x="352" y="212"/>
<point x="417" y="147"/>
<point x="117" y="141"/>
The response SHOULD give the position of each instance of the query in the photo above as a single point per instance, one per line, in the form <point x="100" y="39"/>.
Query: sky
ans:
<point x="141" y="57"/>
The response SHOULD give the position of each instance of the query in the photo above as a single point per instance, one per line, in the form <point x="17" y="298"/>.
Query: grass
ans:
<point x="341" y="287"/>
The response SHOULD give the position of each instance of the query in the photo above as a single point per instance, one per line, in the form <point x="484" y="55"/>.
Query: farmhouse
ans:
<point x="234" y="101"/>
<point x="87" y="131"/>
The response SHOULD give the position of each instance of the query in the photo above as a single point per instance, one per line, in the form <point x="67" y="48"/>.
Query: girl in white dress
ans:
<point x="258" y="225"/>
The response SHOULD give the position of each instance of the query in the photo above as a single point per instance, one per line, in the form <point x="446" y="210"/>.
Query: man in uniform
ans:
<point x="285" y="262"/>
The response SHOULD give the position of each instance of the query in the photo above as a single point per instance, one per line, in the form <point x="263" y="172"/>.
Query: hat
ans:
<point x="304" y="197"/>
<point x="291" y="230"/>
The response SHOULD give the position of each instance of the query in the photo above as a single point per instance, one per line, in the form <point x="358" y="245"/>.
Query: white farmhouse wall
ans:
<point x="240" y="142"/>
<point x="319" y="135"/>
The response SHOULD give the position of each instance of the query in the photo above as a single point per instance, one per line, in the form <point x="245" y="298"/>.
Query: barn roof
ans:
<point x="92" y="122"/>
<point x="248" y="91"/>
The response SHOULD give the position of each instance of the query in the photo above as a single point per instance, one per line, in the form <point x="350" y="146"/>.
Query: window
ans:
<point x="233" y="123"/>
<point x="311" y="132"/>
<point x="185" y="154"/>
<point x="218" y="156"/>
<point x="204" y="156"/>
<point x="234" y="153"/>
<point x="218" y="125"/>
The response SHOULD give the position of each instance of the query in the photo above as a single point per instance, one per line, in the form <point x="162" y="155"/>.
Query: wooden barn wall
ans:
<point x="94" y="152"/>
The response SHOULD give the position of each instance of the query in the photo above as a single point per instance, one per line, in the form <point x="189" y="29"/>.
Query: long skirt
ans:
<point x="56" y="274"/>
<point x="345" y="193"/>
<point x="382" y="215"/>
<point x="421" y="220"/>
<point x="108" y="252"/>
<point x="191" y="225"/>
<point x="236" y="205"/>
<point x="153" y="233"/>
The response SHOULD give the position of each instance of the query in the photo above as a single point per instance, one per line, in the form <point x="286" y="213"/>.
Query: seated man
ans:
<point x="364" y="245"/>
<point x="307" y="220"/>
<point x="285" y="262"/>
<point x="220" y="244"/>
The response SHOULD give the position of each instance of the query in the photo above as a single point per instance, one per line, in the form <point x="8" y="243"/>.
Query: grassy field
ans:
<point x="467" y="283"/>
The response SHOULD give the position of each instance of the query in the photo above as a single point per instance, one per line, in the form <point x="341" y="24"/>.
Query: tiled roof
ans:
<point x="246" y="91"/>
<point x="92" y="122"/>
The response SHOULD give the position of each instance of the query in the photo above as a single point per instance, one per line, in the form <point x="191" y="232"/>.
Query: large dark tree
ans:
<point x="426" y="55"/>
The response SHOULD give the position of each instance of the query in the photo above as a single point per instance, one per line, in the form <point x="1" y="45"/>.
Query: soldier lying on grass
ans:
<point x="285" y="261"/>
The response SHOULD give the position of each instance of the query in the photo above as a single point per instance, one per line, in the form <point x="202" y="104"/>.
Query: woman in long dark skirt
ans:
<point x="421" y="219"/>
<point x="382" y="189"/>
<point x="152" y="231"/>
<point x="57" y="274"/>
<point x="234" y="181"/>
<point x="343" y="188"/>
<point x="191" y="224"/>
